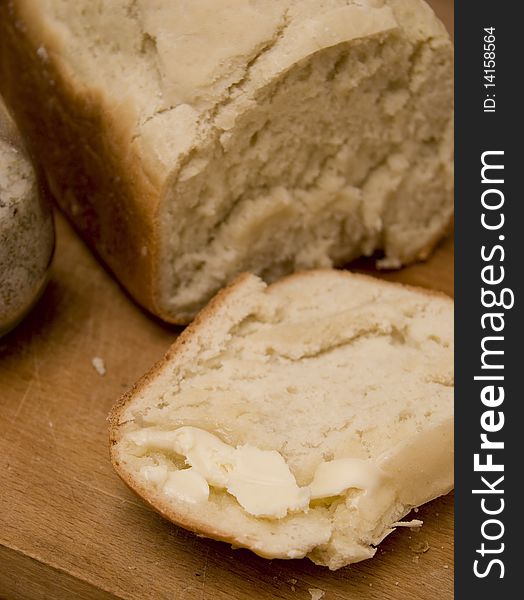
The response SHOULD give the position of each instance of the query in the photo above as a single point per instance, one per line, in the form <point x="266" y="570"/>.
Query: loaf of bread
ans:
<point x="301" y="419"/>
<point x="26" y="229"/>
<point x="190" y="140"/>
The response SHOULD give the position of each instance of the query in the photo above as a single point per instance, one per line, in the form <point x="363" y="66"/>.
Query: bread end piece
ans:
<point x="318" y="366"/>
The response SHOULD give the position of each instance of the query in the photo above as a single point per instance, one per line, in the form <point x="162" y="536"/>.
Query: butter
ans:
<point x="209" y="455"/>
<point x="155" y="474"/>
<point x="187" y="485"/>
<point x="336" y="476"/>
<point x="260" y="480"/>
<point x="263" y="484"/>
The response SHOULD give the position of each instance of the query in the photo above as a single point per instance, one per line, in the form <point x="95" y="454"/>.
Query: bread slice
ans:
<point x="190" y="141"/>
<point x="327" y="369"/>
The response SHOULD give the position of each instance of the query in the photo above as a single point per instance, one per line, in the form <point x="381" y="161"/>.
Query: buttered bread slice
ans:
<point x="301" y="419"/>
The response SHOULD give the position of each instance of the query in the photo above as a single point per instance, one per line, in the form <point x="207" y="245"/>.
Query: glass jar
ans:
<point x="27" y="235"/>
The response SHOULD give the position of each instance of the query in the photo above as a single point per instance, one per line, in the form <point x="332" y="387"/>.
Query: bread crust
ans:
<point x="180" y="515"/>
<point x="105" y="192"/>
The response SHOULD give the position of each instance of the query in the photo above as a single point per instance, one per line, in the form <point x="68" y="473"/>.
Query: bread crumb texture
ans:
<point x="319" y="366"/>
<point x="262" y="136"/>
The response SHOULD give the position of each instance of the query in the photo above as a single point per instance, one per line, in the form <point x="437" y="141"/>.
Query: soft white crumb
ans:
<point x="99" y="365"/>
<point x="316" y="594"/>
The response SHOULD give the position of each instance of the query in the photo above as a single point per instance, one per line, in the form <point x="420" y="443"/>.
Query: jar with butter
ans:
<point x="26" y="229"/>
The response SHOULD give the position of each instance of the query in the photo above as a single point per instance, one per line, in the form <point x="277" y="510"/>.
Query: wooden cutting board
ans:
<point x="69" y="528"/>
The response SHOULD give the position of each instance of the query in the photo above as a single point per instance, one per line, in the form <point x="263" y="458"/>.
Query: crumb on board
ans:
<point x="316" y="594"/>
<point x="99" y="365"/>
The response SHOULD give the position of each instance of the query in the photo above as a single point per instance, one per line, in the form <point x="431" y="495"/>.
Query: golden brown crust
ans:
<point x="78" y="140"/>
<point x="181" y="516"/>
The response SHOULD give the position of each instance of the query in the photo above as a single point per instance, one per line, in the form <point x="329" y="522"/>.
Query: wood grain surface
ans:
<point x="69" y="528"/>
